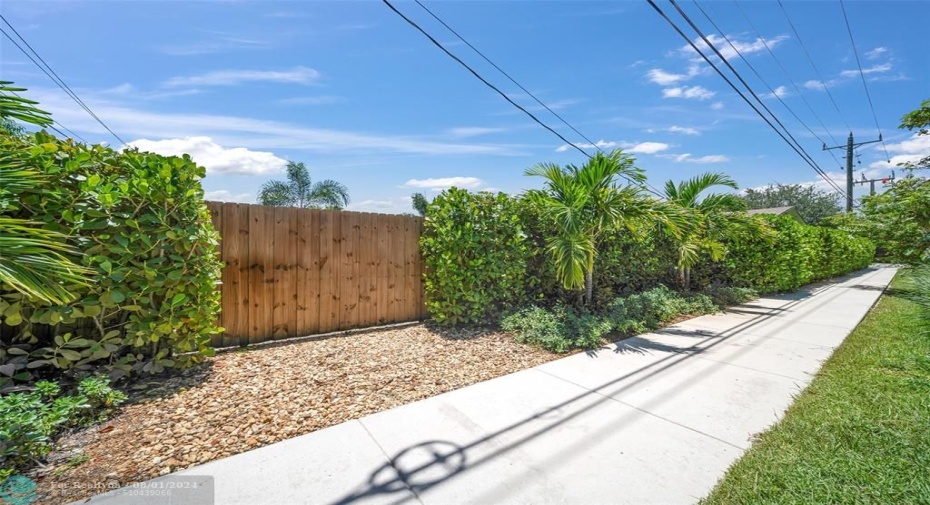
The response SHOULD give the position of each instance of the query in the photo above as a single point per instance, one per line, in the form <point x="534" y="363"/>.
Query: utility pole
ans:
<point x="850" y="146"/>
<point x="883" y="180"/>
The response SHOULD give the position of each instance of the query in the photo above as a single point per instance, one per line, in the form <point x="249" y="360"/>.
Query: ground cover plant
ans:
<point x="31" y="419"/>
<point x="143" y="295"/>
<point x="858" y="433"/>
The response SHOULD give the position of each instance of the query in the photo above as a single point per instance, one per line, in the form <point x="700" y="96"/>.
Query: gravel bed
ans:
<point x="242" y="400"/>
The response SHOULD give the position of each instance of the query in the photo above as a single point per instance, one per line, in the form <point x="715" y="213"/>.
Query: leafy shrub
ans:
<point x="723" y="296"/>
<point x="651" y="309"/>
<point x="29" y="421"/>
<point x="475" y="253"/>
<point x="141" y="224"/>
<point x="559" y="329"/>
<point x="797" y="255"/>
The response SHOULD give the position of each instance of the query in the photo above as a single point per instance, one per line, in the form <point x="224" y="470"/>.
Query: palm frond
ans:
<point x="328" y="193"/>
<point x="34" y="262"/>
<point x="277" y="194"/>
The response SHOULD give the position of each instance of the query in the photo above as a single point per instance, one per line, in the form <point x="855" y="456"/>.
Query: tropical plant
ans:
<point x="35" y="262"/>
<point x="709" y="218"/>
<point x="146" y="235"/>
<point x="419" y="203"/>
<point x="584" y="203"/>
<point x="919" y="120"/>
<point x="299" y="191"/>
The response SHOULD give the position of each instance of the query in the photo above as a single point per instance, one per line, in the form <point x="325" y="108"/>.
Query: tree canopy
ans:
<point x="812" y="203"/>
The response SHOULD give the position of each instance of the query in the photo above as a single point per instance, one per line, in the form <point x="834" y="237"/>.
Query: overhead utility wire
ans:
<point x="499" y="69"/>
<point x="56" y="122"/>
<point x="53" y="75"/>
<point x="499" y="92"/>
<point x="759" y="76"/>
<point x="823" y="82"/>
<point x="808" y="158"/>
<point x="862" y="75"/>
<point x="733" y="86"/>
<point x="797" y="89"/>
<point x="796" y="145"/>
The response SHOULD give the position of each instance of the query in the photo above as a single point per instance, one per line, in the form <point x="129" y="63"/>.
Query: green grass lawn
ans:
<point x="860" y="433"/>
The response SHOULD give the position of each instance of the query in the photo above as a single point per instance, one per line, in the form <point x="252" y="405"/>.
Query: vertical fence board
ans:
<point x="240" y="304"/>
<point x="227" y="218"/>
<point x="291" y="272"/>
<point x="364" y="269"/>
<point x="410" y="271"/>
<point x="307" y="306"/>
<point x="397" y="267"/>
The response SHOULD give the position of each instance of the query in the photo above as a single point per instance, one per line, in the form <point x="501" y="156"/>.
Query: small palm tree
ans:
<point x="299" y="191"/>
<point x="706" y="219"/>
<point x="33" y="261"/>
<point x="583" y="203"/>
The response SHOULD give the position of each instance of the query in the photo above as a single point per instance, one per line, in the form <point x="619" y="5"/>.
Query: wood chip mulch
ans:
<point x="242" y="400"/>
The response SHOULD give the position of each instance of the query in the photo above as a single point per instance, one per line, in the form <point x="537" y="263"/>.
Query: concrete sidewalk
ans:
<point x="653" y="419"/>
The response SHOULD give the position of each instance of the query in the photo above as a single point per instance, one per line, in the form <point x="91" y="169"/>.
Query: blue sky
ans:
<point x="359" y="96"/>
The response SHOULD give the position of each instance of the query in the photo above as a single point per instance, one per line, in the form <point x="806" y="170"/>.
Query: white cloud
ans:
<point x="218" y="45"/>
<point x="384" y="206"/>
<point x="646" y="147"/>
<point x="815" y="84"/>
<point x="876" y="53"/>
<point x="745" y="48"/>
<point x="688" y="158"/>
<point x="884" y="67"/>
<point x="663" y="78"/>
<point x="312" y="100"/>
<point x="241" y="131"/>
<point x="908" y="151"/>
<point x="223" y="195"/>
<point x="717" y="105"/>
<point x="296" y="75"/>
<point x="779" y="92"/>
<point x="698" y="92"/>
<point x="442" y="183"/>
<point x="600" y="144"/>
<point x="214" y="157"/>
<point x="472" y="131"/>
<point x="686" y="130"/>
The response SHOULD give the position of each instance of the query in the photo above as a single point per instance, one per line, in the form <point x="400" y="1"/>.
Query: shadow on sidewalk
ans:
<point x="427" y="464"/>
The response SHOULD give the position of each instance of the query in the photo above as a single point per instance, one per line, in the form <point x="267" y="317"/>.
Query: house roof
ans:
<point x="772" y="210"/>
<point x="779" y="211"/>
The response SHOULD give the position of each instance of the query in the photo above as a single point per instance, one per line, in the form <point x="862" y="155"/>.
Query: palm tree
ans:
<point x="583" y="203"/>
<point x="33" y="261"/>
<point x="706" y="219"/>
<point x="299" y="191"/>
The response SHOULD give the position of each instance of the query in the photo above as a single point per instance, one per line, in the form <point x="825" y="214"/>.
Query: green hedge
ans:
<point x="797" y="255"/>
<point x="485" y="255"/>
<point x="140" y="221"/>
<point x="476" y="256"/>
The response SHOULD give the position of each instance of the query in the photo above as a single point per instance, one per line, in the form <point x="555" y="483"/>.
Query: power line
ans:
<point x="759" y="76"/>
<point x="499" y="69"/>
<point x="794" y="85"/>
<point x="823" y="82"/>
<point x="807" y="159"/>
<point x="53" y="75"/>
<point x="54" y="122"/>
<point x="499" y="92"/>
<point x="862" y="75"/>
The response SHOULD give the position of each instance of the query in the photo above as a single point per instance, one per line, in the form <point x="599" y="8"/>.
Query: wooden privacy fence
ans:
<point x="292" y="272"/>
